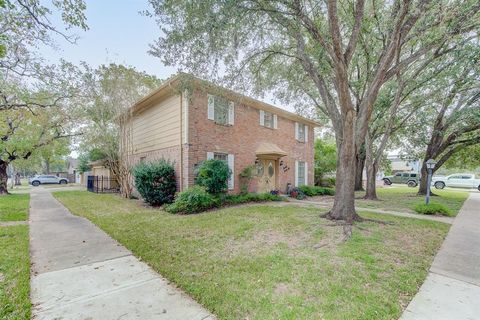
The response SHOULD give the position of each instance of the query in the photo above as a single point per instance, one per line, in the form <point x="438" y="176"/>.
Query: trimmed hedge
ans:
<point x="233" y="199"/>
<point x="316" y="191"/>
<point x="197" y="199"/>
<point x="213" y="175"/>
<point x="432" y="208"/>
<point x="155" y="181"/>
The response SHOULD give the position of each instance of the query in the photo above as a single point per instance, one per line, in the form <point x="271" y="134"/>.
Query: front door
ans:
<point x="266" y="173"/>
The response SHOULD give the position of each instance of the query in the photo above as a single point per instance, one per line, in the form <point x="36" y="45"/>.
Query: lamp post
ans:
<point x="430" y="165"/>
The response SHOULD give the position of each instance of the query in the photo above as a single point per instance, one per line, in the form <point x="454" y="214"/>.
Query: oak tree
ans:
<point x="311" y="49"/>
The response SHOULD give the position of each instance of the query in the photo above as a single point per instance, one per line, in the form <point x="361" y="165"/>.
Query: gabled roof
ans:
<point x="175" y="84"/>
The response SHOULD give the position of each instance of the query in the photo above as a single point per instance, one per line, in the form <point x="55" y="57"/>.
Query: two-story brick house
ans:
<point x="189" y="121"/>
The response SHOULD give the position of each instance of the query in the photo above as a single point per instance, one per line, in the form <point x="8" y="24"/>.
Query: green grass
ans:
<point x="14" y="273"/>
<point x="432" y="208"/>
<point x="405" y="199"/>
<point x="266" y="262"/>
<point x="14" y="207"/>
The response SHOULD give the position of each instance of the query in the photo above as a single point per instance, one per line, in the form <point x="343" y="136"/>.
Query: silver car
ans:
<point x="46" y="179"/>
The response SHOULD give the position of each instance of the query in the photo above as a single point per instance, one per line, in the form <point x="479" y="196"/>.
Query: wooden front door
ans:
<point x="266" y="174"/>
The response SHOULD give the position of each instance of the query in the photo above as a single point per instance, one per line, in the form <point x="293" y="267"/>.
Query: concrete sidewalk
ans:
<point x="79" y="272"/>
<point x="308" y="203"/>
<point x="452" y="287"/>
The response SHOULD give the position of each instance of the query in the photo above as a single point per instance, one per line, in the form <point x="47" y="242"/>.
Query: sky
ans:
<point x="117" y="33"/>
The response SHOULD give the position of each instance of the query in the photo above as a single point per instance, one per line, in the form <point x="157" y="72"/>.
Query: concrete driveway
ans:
<point x="79" y="272"/>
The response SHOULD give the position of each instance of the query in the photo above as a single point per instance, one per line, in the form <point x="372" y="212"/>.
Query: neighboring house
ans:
<point x="102" y="178"/>
<point x="402" y="164"/>
<point x="99" y="169"/>
<point x="72" y="168"/>
<point x="188" y="122"/>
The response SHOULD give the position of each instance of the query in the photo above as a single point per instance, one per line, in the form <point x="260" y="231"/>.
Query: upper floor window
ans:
<point x="301" y="132"/>
<point x="220" y="110"/>
<point x="268" y="119"/>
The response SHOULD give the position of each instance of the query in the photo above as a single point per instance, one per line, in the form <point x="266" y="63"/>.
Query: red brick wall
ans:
<point x="242" y="139"/>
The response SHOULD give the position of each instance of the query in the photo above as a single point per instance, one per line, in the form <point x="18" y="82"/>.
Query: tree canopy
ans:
<point x="334" y="55"/>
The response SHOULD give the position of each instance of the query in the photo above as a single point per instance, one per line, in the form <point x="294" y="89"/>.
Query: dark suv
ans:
<point x="408" y="178"/>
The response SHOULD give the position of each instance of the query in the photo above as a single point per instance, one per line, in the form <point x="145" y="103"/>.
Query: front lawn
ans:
<point x="405" y="199"/>
<point x="14" y="273"/>
<point x="14" y="207"/>
<point x="273" y="262"/>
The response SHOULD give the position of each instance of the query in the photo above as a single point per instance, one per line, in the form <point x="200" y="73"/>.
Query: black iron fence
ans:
<point x="102" y="184"/>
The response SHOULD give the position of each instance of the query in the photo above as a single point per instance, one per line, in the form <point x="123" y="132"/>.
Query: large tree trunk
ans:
<point x="3" y="178"/>
<point x="371" y="193"/>
<point x="360" y="160"/>
<point x="372" y="168"/>
<point x="344" y="203"/>
<point x="422" y="189"/>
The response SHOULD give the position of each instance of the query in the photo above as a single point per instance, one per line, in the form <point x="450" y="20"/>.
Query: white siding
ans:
<point x="157" y="127"/>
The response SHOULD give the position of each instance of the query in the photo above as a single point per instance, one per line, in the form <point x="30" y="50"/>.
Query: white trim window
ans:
<point x="301" y="173"/>
<point x="230" y="160"/>
<point x="221" y="110"/>
<point x="301" y="132"/>
<point x="268" y="119"/>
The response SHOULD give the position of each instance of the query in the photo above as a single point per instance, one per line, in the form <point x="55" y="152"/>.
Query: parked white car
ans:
<point x="46" y="179"/>
<point x="458" y="180"/>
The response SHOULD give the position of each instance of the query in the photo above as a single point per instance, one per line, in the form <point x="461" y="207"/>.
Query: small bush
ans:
<point x="316" y="191"/>
<point x="213" y="175"/>
<point x="155" y="181"/>
<point x="193" y="200"/>
<point x="297" y="193"/>
<point x="246" y="176"/>
<point x="432" y="208"/>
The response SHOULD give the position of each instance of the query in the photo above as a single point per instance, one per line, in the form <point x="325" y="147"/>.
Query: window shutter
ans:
<point x="296" y="130"/>
<point x="209" y="155"/>
<point x="296" y="173"/>
<point x="306" y="173"/>
<point x="211" y="107"/>
<point x="262" y="118"/>
<point x="275" y="121"/>
<point x="306" y="134"/>
<point x="231" y="165"/>
<point x="231" y="113"/>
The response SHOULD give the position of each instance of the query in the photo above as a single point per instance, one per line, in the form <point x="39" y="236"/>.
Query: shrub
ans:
<point x="197" y="199"/>
<point x="250" y="197"/>
<point x="316" y="191"/>
<point x="193" y="200"/>
<point x="297" y="193"/>
<point x="432" y="208"/>
<point x="213" y="175"/>
<point x="328" y="182"/>
<point x="155" y="181"/>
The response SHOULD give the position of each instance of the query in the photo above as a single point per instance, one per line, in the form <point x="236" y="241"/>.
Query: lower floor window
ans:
<point x="301" y="173"/>
<point x="220" y="156"/>
<point x="229" y="160"/>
